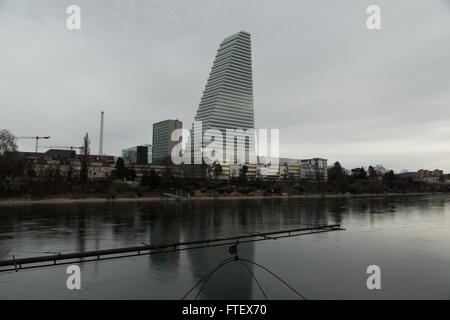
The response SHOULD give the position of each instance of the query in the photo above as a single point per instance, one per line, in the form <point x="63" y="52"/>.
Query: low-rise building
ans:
<point x="68" y="164"/>
<point x="290" y="168"/>
<point x="235" y="171"/>
<point x="314" y="169"/>
<point x="429" y="175"/>
<point x="137" y="154"/>
<point x="146" y="169"/>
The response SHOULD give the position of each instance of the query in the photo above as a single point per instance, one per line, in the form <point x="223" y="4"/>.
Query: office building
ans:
<point x="137" y="154"/>
<point x="314" y="169"/>
<point x="162" y="144"/>
<point x="227" y="101"/>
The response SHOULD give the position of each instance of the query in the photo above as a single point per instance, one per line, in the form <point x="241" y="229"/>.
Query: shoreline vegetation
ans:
<point x="22" y="182"/>
<point x="98" y="199"/>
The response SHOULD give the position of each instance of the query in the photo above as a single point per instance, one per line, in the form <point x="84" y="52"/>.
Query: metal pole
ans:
<point x="100" y="150"/>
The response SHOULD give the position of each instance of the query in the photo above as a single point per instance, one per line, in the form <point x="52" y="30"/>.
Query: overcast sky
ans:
<point x="334" y="89"/>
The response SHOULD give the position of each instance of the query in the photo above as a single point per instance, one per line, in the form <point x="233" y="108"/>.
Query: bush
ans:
<point x="120" y="187"/>
<point x="139" y="191"/>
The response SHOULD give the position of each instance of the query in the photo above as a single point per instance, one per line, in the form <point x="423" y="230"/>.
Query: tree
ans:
<point x="130" y="174"/>
<point x="337" y="177"/>
<point x="85" y="159"/>
<point x="359" y="173"/>
<point x="58" y="179"/>
<point x="390" y="175"/>
<point x="151" y="179"/>
<point x="7" y="142"/>
<point x="217" y="169"/>
<point x="31" y="173"/>
<point x="69" y="173"/>
<point x="120" y="168"/>
<point x="204" y="168"/>
<point x="213" y="170"/>
<point x="335" y="172"/>
<point x="167" y="162"/>
<point x="243" y="173"/>
<point x="380" y="170"/>
<point x="372" y="172"/>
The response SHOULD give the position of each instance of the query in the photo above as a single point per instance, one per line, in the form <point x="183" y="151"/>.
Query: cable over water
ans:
<point x="236" y="258"/>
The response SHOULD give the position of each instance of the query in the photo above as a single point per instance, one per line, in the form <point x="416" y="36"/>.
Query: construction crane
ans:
<point x="36" y="138"/>
<point x="62" y="147"/>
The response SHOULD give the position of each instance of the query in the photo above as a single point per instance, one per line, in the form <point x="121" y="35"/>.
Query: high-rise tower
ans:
<point x="162" y="143"/>
<point x="227" y="101"/>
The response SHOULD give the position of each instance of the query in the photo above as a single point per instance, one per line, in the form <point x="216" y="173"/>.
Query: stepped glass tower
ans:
<point x="227" y="101"/>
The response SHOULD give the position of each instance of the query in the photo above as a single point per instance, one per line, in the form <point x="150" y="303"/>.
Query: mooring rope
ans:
<point x="272" y="273"/>
<point x="256" y="280"/>
<point x="208" y="275"/>
<point x="206" y="278"/>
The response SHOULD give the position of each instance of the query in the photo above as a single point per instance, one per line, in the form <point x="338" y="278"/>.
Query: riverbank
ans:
<point x="68" y="200"/>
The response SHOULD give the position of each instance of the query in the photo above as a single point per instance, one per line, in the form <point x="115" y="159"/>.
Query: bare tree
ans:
<point x="85" y="159"/>
<point x="380" y="170"/>
<point x="7" y="142"/>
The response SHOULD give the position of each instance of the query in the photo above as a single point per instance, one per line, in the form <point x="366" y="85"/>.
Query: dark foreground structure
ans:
<point x="146" y="249"/>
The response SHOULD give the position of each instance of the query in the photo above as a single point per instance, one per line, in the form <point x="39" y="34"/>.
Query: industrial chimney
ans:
<point x="100" y="149"/>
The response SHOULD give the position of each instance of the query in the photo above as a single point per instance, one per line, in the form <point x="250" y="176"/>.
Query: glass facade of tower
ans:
<point x="227" y="101"/>
<point x="137" y="155"/>
<point x="162" y="144"/>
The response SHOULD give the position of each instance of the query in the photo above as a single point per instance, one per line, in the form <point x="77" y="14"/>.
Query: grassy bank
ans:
<point x="87" y="200"/>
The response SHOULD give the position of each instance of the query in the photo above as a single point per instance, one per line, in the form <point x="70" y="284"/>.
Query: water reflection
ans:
<point x="39" y="229"/>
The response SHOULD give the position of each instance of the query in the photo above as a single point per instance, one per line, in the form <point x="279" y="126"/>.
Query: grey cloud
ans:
<point x="333" y="88"/>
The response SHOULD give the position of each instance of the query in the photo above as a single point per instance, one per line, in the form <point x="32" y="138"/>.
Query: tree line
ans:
<point x="18" y="178"/>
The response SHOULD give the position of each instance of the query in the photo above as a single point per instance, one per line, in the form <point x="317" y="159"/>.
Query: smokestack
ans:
<point x="100" y="150"/>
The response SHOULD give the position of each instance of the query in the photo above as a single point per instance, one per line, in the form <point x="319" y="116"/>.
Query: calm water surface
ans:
<point x="408" y="237"/>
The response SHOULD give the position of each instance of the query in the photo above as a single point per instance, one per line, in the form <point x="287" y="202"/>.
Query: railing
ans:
<point x="97" y="255"/>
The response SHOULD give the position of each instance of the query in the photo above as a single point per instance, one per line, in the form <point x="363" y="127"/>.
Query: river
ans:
<point x="408" y="237"/>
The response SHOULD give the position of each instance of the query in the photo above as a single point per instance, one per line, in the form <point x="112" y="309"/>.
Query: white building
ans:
<point x="314" y="169"/>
